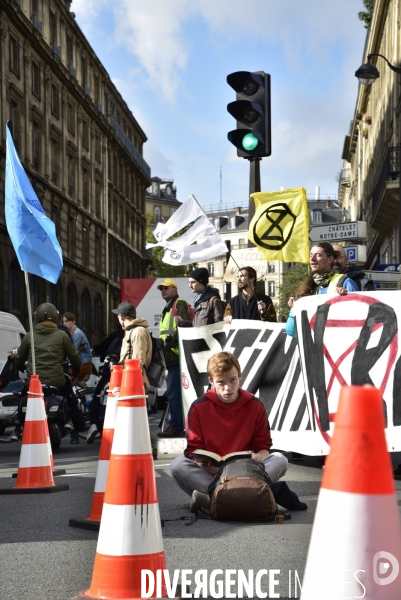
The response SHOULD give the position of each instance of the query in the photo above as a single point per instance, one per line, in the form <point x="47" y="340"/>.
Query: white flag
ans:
<point x="209" y="248"/>
<point x="183" y="250"/>
<point x="188" y="212"/>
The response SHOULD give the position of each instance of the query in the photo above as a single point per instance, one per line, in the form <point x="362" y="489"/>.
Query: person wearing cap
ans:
<point x="207" y="303"/>
<point x="175" y="307"/>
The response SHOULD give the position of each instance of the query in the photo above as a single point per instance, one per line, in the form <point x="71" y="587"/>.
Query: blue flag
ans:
<point x="32" y="233"/>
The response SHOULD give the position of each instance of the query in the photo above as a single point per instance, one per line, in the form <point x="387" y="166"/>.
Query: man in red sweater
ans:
<point x="226" y="419"/>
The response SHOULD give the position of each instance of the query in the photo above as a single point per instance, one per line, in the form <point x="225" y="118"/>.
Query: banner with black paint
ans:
<point x="349" y="340"/>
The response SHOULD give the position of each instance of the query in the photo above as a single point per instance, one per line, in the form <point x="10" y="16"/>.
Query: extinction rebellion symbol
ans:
<point x="274" y="227"/>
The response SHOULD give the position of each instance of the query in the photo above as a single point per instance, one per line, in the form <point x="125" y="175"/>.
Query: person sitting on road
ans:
<point x="82" y="345"/>
<point x="51" y="345"/>
<point x="226" y="419"/>
<point x="207" y="303"/>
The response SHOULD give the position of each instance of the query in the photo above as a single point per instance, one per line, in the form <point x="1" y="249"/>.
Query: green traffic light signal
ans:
<point x="249" y="142"/>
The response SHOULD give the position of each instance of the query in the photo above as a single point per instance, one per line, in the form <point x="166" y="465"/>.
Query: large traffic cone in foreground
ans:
<point x="355" y="548"/>
<point x="35" y="473"/>
<point x="93" y="521"/>
<point x="130" y="537"/>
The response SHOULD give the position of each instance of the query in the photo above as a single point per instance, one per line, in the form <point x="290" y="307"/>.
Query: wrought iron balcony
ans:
<point x="129" y="145"/>
<point x="36" y="23"/>
<point x="56" y="49"/>
<point x="385" y="195"/>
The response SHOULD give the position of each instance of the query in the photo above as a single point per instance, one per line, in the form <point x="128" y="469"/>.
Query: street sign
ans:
<point x="356" y="254"/>
<point x="338" y="232"/>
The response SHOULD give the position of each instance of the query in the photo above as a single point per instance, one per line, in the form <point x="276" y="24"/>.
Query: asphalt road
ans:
<point x="43" y="558"/>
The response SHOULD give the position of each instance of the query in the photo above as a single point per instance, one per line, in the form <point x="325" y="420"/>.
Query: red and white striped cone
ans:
<point x="93" y="521"/>
<point x="355" y="548"/>
<point x="130" y="537"/>
<point x="35" y="473"/>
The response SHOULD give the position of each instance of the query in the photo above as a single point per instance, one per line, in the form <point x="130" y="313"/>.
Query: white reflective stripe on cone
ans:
<point x="130" y="530"/>
<point x="133" y="431"/>
<point x="35" y="410"/>
<point x="348" y="531"/>
<point x="34" y="455"/>
<point x="101" y="475"/>
<point x="111" y="412"/>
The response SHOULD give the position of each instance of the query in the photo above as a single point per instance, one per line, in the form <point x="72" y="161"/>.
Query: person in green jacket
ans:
<point x="51" y="346"/>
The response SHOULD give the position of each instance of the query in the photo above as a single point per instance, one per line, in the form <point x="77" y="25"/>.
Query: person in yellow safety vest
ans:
<point x="175" y="306"/>
<point x="322" y="280"/>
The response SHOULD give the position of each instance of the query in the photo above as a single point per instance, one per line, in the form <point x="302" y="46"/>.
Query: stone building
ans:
<point x="161" y="200"/>
<point x="79" y="142"/>
<point x="369" y="182"/>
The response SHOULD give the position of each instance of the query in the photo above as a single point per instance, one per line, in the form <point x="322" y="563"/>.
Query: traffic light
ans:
<point x="252" y="112"/>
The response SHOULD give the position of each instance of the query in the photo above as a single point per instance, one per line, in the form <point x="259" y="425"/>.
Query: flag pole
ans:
<point x="28" y="297"/>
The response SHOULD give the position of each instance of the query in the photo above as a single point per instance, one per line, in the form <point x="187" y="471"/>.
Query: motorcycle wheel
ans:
<point x="55" y="436"/>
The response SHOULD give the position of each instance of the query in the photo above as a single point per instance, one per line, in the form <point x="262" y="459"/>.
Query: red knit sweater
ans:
<point x="223" y="428"/>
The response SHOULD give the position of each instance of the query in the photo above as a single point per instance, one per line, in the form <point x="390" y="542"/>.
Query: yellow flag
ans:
<point x="280" y="226"/>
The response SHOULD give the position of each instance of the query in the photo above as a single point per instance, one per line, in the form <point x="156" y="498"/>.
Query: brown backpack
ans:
<point x="240" y="492"/>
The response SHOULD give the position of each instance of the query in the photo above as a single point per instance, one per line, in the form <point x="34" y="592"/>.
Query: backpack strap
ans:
<point x="210" y="316"/>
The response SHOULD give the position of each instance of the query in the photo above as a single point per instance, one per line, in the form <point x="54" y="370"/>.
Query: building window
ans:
<point x="242" y="242"/>
<point x="98" y="199"/>
<point x="55" y="162"/>
<point x="55" y="101"/>
<point x="53" y="27"/>
<point x="232" y="223"/>
<point x="14" y="55"/>
<point x="86" y="244"/>
<point x="35" y="79"/>
<point x="72" y="226"/>
<point x="15" y="119"/>
<point x="216" y="223"/>
<point x="210" y="268"/>
<point x="98" y="149"/>
<point x="71" y="175"/>
<point x="98" y="314"/>
<point x="84" y="72"/>
<point x="36" y="145"/>
<point x="38" y="292"/>
<point x="270" y="268"/>
<point x="271" y="287"/>
<point x="72" y="299"/>
<point x="316" y="216"/>
<point x="156" y="212"/>
<point x="172" y="211"/>
<point x="71" y="118"/>
<point x="14" y="287"/>
<point x="70" y="51"/>
<point x="85" y="134"/>
<point x="85" y="188"/>
<point x="98" y="253"/>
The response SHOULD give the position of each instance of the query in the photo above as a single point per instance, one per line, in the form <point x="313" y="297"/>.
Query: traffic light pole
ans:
<point x="254" y="186"/>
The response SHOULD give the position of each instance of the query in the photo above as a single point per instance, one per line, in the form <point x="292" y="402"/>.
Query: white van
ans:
<point x="11" y="334"/>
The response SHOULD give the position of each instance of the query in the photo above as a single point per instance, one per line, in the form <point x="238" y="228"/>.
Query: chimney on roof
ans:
<point x="237" y="210"/>
<point x="328" y="203"/>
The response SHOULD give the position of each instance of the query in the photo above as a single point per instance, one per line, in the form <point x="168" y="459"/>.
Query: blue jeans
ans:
<point x="173" y="394"/>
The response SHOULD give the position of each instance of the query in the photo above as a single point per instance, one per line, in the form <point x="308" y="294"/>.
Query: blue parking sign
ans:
<point x="351" y="253"/>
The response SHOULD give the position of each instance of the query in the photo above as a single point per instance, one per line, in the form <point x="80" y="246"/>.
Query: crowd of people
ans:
<point x="226" y="418"/>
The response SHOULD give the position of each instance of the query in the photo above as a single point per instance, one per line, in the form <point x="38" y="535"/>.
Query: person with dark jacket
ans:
<point x="207" y="303"/>
<point x="51" y="345"/>
<point x="359" y="277"/>
<point x="111" y="346"/>
<point x="248" y="304"/>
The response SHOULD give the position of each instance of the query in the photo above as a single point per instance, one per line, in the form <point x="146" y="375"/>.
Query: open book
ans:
<point x="205" y="455"/>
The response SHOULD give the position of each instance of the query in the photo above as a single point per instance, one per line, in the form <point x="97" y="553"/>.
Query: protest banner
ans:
<point x="349" y="340"/>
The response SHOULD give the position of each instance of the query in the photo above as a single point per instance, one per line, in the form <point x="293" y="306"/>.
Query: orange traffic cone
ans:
<point x="93" y="521"/>
<point x="130" y="537"/>
<point x="355" y="548"/>
<point x="35" y="473"/>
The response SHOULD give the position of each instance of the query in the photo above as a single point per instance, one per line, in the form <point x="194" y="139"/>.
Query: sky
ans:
<point x="169" y="59"/>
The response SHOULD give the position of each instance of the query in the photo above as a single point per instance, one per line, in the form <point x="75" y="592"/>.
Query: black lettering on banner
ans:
<point x="199" y="379"/>
<point x="290" y="393"/>
<point x="397" y="393"/>
<point x="268" y="379"/>
<point x="299" y="416"/>
<point x="244" y="338"/>
<point x="364" y="359"/>
<point x="314" y="363"/>
<point x="254" y="356"/>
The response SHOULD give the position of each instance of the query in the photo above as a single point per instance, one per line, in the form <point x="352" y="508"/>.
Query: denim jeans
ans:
<point x="174" y="397"/>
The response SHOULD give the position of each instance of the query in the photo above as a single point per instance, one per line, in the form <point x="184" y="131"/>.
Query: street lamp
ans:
<point x="367" y="74"/>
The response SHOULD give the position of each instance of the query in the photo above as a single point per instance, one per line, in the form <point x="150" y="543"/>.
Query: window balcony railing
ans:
<point x="56" y="49"/>
<point x="390" y="171"/>
<point x="129" y="145"/>
<point x="36" y="23"/>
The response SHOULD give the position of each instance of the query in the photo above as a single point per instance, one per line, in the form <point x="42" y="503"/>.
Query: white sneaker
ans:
<point x="92" y="433"/>
<point x="69" y="425"/>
